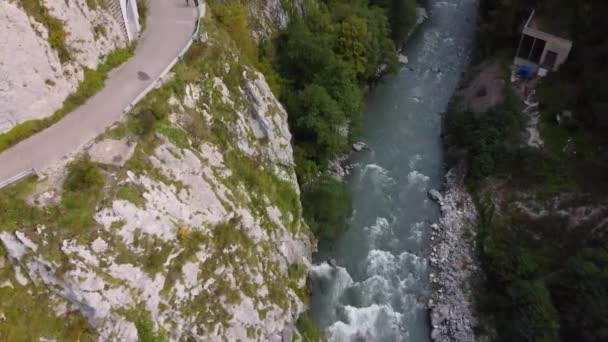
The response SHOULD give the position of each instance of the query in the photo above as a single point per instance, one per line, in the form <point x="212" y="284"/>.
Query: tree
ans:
<point x="318" y="118"/>
<point x="353" y="42"/>
<point x="327" y="207"/>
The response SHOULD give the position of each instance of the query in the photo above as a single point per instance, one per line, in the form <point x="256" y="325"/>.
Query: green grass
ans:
<point x="145" y="325"/>
<point x="57" y="35"/>
<point x="100" y="31"/>
<point x="92" y="83"/>
<point x="310" y="331"/>
<point x="28" y="313"/>
<point x="142" y="8"/>
<point x="133" y="193"/>
<point x="95" y="4"/>
<point x="28" y="310"/>
<point x="176" y="135"/>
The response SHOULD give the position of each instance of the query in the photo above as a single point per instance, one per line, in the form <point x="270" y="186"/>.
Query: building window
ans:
<point x="531" y="48"/>
<point x="549" y="61"/>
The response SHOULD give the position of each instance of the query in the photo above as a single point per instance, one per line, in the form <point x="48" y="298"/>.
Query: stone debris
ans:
<point x="453" y="262"/>
<point x="436" y="196"/>
<point x="360" y="146"/>
<point x="112" y="152"/>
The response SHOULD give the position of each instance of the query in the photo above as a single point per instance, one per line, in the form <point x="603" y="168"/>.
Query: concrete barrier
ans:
<point x="16" y="178"/>
<point x="157" y="81"/>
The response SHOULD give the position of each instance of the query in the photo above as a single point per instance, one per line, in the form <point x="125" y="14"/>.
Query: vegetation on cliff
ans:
<point x="541" y="232"/>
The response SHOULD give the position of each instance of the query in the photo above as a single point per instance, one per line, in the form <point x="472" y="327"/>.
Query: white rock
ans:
<point x="99" y="246"/>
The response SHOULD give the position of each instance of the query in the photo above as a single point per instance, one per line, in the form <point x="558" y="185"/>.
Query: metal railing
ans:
<point x="16" y="178"/>
<point x="157" y="81"/>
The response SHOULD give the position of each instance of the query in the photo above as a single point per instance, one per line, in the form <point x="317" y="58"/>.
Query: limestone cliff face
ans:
<point x="198" y="236"/>
<point x="34" y="80"/>
<point x="266" y="16"/>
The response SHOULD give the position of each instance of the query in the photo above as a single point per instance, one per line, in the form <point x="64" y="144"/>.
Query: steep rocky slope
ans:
<point x="44" y="48"/>
<point x="193" y="230"/>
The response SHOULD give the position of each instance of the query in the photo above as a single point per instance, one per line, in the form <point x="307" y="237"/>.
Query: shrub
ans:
<point x="83" y="176"/>
<point x="327" y="207"/>
<point x="310" y="331"/>
<point x="82" y="190"/>
<point x="493" y="140"/>
<point x="142" y="9"/>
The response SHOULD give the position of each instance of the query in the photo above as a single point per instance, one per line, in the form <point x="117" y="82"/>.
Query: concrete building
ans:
<point x="540" y="51"/>
<point x="127" y="15"/>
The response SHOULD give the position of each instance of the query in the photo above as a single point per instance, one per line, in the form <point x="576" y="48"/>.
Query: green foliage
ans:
<point x="95" y="4"/>
<point x="177" y="135"/>
<point x="258" y="181"/>
<point x="401" y="15"/>
<point x="234" y="20"/>
<point x="583" y="296"/>
<point x="81" y="192"/>
<point x="352" y="43"/>
<point x="29" y="315"/>
<point x="582" y="77"/>
<point x="100" y="30"/>
<point x="57" y="36"/>
<point x="543" y="282"/>
<point x="316" y="119"/>
<point x="327" y="207"/>
<point x="83" y="176"/>
<point x="233" y="17"/>
<point x="310" y="331"/>
<point x="535" y="317"/>
<point x="145" y="326"/>
<point x="324" y="60"/>
<point x="133" y="193"/>
<point x="142" y="9"/>
<point x="92" y="83"/>
<point x="515" y="294"/>
<point x="492" y="139"/>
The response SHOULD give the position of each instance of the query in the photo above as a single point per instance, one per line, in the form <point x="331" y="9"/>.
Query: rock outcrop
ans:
<point x="267" y="16"/>
<point x="198" y="236"/>
<point x="453" y="262"/>
<point x="34" y="81"/>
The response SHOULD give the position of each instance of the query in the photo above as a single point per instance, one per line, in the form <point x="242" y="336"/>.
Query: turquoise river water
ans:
<point x="380" y="288"/>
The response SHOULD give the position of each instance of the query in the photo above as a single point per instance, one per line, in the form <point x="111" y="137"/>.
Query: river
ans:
<point x="380" y="289"/>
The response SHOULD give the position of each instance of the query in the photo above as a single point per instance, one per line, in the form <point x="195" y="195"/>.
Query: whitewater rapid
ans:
<point x="379" y="290"/>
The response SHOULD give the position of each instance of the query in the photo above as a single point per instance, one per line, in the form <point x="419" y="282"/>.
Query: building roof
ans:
<point x="548" y="24"/>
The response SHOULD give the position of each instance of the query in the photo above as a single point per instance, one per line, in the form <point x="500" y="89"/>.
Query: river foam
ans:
<point x="380" y="288"/>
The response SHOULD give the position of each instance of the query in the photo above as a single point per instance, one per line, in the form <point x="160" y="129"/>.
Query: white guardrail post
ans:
<point x="158" y="80"/>
<point x="21" y="175"/>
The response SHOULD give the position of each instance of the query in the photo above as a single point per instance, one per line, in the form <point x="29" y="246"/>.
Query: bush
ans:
<point x="310" y="331"/>
<point x="82" y="190"/>
<point x="83" y="176"/>
<point x="327" y="207"/>
<point x="493" y="140"/>
<point x="142" y="9"/>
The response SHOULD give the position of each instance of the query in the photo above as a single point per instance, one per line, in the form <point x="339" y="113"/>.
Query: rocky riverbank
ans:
<point x="453" y="262"/>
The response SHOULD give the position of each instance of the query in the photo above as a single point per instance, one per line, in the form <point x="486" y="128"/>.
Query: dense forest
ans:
<point x="546" y="278"/>
<point x="324" y="60"/>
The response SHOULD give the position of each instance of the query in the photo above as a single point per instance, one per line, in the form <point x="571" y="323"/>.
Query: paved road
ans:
<point x="170" y="26"/>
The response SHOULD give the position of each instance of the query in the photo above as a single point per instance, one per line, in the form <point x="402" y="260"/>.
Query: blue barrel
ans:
<point x="524" y="72"/>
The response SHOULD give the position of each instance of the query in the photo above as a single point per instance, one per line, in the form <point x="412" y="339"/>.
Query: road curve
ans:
<point x="169" y="27"/>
